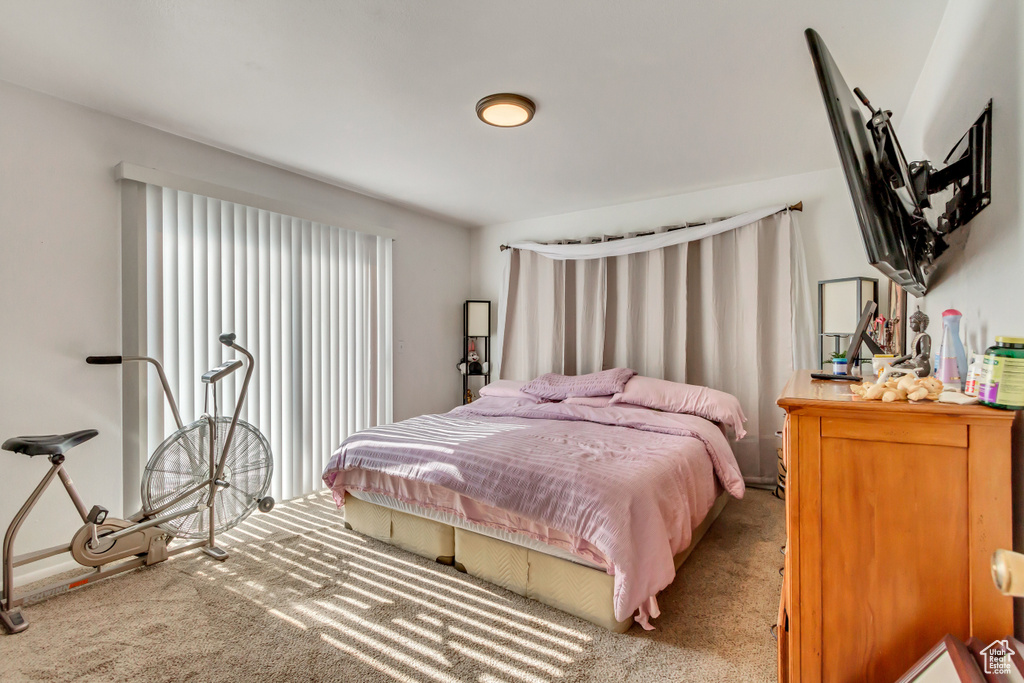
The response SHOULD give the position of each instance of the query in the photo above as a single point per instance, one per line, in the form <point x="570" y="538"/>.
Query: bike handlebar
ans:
<point x="103" y="360"/>
<point x="119" y="360"/>
<point x="227" y="339"/>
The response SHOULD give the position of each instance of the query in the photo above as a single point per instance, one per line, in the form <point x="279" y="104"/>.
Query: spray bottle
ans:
<point x="952" y="358"/>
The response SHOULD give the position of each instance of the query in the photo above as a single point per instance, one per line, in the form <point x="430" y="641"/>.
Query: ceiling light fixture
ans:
<point x="505" y="110"/>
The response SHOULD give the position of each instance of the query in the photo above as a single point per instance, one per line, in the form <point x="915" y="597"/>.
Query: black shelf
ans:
<point x="484" y="350"/>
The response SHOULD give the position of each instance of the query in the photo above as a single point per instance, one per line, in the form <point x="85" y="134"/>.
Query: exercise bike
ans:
<point x="203" y="479"/>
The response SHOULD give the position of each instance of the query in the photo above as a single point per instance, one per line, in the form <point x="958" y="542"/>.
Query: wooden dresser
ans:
<point x="892" y="513"/>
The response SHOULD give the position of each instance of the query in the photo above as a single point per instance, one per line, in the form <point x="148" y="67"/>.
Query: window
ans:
<point x="312" y="303"/>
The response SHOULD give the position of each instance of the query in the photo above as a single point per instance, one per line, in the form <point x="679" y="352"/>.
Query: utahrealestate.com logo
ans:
<point x="997" y="657"/>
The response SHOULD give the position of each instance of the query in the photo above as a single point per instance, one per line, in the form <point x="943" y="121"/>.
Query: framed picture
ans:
<point x="1000" y="661"/>
<point x="948" y="662"/>
<point x="1017" y="659"/>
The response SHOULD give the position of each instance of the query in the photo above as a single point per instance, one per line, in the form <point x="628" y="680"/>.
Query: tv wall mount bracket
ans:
<point x="916" y="182"/>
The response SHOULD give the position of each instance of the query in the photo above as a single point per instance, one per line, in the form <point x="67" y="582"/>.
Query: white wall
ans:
<point x="832" y="241"/>
<point x="978" y="55"/>
<point x="60" y="287"/>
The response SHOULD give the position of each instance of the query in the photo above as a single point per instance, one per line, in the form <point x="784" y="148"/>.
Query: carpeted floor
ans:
<point x="302" y="599"/>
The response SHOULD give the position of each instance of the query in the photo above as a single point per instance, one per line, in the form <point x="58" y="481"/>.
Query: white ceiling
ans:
<point x="635" y="98"/>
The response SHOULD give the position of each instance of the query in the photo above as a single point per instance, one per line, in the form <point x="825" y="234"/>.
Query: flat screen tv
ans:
<point x="904" y="237"/>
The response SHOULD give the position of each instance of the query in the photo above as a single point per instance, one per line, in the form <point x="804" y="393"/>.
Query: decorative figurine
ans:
<point x="920" y="361"/>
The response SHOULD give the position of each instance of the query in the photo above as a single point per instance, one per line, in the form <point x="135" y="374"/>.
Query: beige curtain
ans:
<point x="716" y="311"/>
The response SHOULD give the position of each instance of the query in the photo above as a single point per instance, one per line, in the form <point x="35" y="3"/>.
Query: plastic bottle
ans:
<point x="1002" y="377"/>
<point x="952" y="369"/>
<point x="974" y="375"/>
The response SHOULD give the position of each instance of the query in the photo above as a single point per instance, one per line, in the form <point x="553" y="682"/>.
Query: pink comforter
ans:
<point x="626" y="480"/>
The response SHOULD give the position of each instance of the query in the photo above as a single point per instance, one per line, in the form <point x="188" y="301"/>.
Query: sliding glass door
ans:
<point x="311" y="301"/>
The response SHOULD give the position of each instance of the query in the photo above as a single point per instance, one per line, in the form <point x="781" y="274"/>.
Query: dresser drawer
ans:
<point x="896" y="431"/>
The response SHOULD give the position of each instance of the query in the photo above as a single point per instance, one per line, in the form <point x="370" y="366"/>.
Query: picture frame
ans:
<point x="1014" y="671"/>
<point x="950" y="661"/>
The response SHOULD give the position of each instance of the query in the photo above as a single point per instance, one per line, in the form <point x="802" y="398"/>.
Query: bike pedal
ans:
<point x="13" y="621"/>
<point x="98" y="514"/>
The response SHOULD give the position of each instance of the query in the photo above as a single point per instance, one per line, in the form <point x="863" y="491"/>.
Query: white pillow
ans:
<point x="506" y="388"/>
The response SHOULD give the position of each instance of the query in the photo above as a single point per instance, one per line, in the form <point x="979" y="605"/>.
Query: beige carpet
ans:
<point x="302" y="599"/>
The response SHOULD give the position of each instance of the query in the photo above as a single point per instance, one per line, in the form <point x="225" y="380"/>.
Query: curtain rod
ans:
<point x="799" y="206"/>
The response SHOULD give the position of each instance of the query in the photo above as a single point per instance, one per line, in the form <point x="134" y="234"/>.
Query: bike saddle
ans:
<point x="54" y="444"/>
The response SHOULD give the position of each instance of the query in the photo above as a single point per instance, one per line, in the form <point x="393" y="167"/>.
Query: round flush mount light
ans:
<point x="505" y="110"/>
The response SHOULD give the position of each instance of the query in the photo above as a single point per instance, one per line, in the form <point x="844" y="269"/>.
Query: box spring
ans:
<point x="570" y="586"/>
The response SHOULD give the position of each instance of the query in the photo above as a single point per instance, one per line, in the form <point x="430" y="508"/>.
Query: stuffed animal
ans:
<point x="475" y="368"/>
<point x="909" y="387"/>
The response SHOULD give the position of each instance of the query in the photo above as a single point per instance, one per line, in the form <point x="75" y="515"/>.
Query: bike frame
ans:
<point x="143" y="519"/>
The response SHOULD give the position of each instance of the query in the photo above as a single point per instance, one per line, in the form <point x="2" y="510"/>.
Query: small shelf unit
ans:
<point x="476" y="328"/>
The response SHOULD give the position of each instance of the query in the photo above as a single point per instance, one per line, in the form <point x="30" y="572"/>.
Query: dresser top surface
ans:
<point x="805" y="393"/>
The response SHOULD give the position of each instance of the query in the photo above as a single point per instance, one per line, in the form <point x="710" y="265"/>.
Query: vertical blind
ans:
<point x="311" y="302"/>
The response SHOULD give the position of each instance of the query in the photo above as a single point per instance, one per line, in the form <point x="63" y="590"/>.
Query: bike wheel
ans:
<point x="182" y="462"/>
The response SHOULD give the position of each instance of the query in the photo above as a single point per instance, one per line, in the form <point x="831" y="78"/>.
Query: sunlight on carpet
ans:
<point x="302" y="598"/>
<point x="400" y="642"/>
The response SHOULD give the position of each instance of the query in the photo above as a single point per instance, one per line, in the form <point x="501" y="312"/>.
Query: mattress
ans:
<point x="616" y="491"/>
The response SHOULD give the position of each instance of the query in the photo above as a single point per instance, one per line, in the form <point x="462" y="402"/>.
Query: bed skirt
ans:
<point x="571" y="587"/>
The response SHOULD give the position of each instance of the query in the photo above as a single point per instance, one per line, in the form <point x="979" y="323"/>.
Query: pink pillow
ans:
<point x="675" y="397"/>
<point x="555" y="387"/>
<point x="590" y="401"/>
<point x="506" y="388"/>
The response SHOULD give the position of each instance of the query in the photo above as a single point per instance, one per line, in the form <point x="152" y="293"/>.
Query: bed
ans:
<point x="589" y="509"/>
